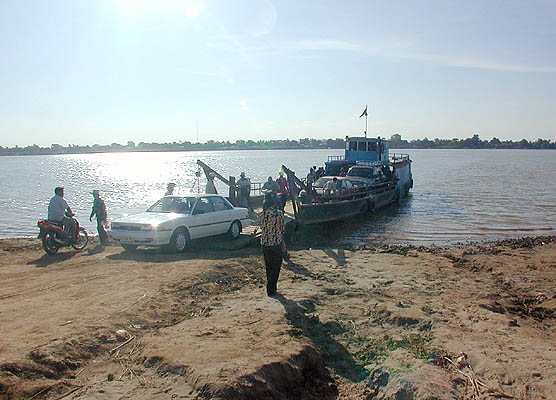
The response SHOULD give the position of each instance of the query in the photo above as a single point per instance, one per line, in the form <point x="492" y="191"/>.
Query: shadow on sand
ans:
<point x="339" y="257"/>
<point x="297" y="269"/>
<point x="335" y="354"/>
<point x="217" y="248"/>
<point x="95" y="250"/>
<point x="46" y="259"/>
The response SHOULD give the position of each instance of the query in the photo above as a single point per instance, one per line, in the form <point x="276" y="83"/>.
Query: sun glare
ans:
<point x="190" y="8"/>
<point x="191" y="12"/>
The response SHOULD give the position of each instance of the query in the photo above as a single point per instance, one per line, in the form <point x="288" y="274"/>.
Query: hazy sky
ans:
<point x="104" y="71"/>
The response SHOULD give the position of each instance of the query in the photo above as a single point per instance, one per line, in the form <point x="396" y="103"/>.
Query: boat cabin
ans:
<point x="358" y="149"/>
<point x="366" y="149"/>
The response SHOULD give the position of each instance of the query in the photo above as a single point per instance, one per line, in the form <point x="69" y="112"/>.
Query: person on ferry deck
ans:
<point x="282" y="190"/>
<point x="244" y="189"/>
<point x="311" y="175"/>
<point x="170" y="189"/>
<point x="270" y="185"/>
<point x="331" y="187"/>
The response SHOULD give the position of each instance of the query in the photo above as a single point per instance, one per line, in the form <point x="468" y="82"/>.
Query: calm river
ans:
<point x="459" y="195"/>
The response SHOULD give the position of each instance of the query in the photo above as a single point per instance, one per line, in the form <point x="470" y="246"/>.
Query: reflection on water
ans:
<point x="459" y="195"/>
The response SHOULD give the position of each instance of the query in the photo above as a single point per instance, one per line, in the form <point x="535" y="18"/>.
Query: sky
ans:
<point x="110" y="71"/>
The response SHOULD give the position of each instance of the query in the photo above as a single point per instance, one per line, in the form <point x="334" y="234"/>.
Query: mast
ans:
<point x="366" y="116"/>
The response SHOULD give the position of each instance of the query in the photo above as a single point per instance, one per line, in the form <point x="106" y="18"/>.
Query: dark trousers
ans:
<point x="69" y="226"/>
<point x="273" y="262"/>
<point x="103" y="236"/>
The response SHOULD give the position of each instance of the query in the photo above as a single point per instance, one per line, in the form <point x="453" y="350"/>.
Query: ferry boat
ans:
<point x="376" y="179"/>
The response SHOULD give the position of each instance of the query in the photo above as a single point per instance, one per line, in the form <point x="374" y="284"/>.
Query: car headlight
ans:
<point x="147" y="227"/>
<point x="162" y="228"/>
<point x="115" y="225"/>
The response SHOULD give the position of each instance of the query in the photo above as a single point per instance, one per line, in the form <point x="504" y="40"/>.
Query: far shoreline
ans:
<point x="254" y="149"/>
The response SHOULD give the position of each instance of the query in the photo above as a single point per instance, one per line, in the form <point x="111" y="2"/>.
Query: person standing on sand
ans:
<point x="272" y="227"/>
<point x="99" y="209"/>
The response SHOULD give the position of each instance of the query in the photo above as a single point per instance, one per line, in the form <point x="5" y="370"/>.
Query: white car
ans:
<point x="175" y="220"/>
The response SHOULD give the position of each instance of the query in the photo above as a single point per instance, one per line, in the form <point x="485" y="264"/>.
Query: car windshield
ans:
<point x="362" y="172"/>
<point x="319" y="183"/>
<point x="180" y="205"/>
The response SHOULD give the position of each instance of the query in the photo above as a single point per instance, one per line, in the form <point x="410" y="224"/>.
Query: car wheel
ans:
<point x="235" y="230"/>
<point x="129" y="247"/>
<point x="180" y="240"/>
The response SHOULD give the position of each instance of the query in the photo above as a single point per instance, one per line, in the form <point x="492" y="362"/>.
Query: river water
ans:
<point x="458" y="195"/>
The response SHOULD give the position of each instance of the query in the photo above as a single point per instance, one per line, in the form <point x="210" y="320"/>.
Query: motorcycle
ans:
<point x="53" y="236"/>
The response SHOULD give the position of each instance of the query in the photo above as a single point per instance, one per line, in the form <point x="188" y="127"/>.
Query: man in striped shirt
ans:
<point x="272" y="227"/>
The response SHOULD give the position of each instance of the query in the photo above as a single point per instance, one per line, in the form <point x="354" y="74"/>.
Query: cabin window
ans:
<point x="353" y="146"/>
<point x="372" y="146"/>
<point x="361" y="146"/>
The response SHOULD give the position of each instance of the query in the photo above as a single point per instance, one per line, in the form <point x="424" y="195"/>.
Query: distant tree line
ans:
<point x="474" y="142"/>
<point x="470" y="143"/>
<point x="177" y="146"/>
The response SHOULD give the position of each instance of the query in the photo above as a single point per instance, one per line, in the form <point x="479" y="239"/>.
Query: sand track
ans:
<point x="359" y="323"/>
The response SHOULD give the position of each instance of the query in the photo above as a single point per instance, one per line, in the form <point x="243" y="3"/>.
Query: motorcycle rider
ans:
<point x="57" y="212"/>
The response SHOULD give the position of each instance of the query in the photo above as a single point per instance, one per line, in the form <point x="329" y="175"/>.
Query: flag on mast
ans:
<point x="364" y="113"/>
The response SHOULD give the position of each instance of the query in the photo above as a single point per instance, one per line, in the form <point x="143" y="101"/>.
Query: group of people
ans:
<point x="278" y="188"/>
<point x="60" y="212"/>
<point x="315" y="173"/>
<point x="271" y="221"/>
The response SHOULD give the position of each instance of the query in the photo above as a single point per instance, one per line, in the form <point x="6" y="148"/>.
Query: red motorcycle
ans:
<point x="53" y="236"/>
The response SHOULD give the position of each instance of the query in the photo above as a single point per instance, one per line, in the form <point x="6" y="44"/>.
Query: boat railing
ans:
<point x="256" y="188"/>
<point x="397" y="157"/>
<point x="333" y="196"/>
<point x="336" y="158"/>
<point x="370" y="163"/>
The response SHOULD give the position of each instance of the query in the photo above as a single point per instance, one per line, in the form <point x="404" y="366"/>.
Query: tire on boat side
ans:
<point x="364" y="207"/>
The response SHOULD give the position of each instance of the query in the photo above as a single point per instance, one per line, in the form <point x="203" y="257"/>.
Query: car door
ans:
<point x="223" y="214"/>
<point x="202" y="219"/>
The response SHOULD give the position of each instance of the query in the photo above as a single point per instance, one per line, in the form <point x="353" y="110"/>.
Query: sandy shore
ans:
<point x="473" y="321"/>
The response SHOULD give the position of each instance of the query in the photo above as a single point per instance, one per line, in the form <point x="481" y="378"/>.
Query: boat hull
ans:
<point x="315" y="213"/>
